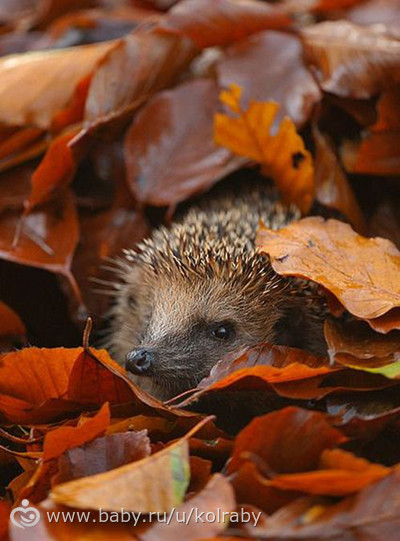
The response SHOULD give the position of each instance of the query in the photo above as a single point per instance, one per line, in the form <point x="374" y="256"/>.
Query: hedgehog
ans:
<point x="198" y="290"/>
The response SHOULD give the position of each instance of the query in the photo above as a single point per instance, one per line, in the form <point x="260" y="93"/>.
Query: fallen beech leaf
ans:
<point x="283" y="156"/>
<point x="74" y="110"/>
<point x="44" y="384"/>
<point x="376" y="154"/>
<point x="15" y="186"/>
<point x="357" y="346"/>
<point x="49" y="527"/>
<point x="62" y="439"/>
<point x="331" y="184"/>
<point x="385" y="12"/>
<point x="362" y="273"/>
<point x="55" y="171"/>
<point x="153" y="61"/>
<point x="170" y="126"/>
<point x="34" y="86"/>
<point x="286" y="81"/>
<point x="340" y="474"/>
<point x="163" y="479"/>
<point x="47" y="238"/>
<point x="10" y="322"/>
<point x="102" y="454"/>
<point x="251" y="487"/>
<point x="371" y="514"/>
<point x="18" y="141"/>
<point x="274" y="369"/>
<point x="103" y="235"/>
<point x="388" y="322"/>
<point x="209" y="23"/>
<point x="217" y="497"/>
<point x="287" y="441"/>
<point x="351" y="60"/>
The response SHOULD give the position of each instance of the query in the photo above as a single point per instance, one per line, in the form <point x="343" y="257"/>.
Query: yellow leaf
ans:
<point x="283" y="156"/>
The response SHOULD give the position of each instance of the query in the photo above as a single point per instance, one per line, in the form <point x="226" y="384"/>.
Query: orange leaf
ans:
<point x="362" y="273"/>
<point x="209" y="23"/>
<point x="55" y="171"/>
<point x="10" y="322"/>
<point x="34" y="86"/>
<point x="283" y="156"/>
<point x="341" y="473"/>
<point x="61" y="439"/>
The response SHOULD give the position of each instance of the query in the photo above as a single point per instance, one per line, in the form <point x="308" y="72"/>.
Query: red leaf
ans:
<point x="170" y="126"/>
<point x="218" y="22"/>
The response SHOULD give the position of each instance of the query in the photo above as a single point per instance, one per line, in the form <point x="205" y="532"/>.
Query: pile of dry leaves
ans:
<point x="114" y="113"/>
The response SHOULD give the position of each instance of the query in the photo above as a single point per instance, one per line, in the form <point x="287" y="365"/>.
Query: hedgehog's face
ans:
<point x="172" y="332"/>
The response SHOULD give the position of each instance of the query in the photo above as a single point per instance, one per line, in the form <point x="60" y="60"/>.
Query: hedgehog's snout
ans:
<point x="140" y="361"/>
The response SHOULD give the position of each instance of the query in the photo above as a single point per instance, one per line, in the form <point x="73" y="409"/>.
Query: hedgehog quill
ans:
<point x="192" y="293"/>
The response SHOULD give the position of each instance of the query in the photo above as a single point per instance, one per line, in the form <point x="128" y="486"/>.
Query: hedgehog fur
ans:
<point x="189" y="294"/>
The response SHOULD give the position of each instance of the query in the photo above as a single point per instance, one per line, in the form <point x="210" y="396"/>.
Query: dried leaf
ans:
<point x="46" y="238"/>
<point x="332" y="186"/>
<point x="102" y="454"/>
<point x="55" y="171"/>
<point x="286" y="81"/>
<point x="362" y="273"/>
<point x="10" y="322"/>
<point x="340" y="473"/>
<point x="62" y="439"/>
<point x="283" y="156"/>
<point x="112" y="490"/>
<point x="217" y="497"/>
<point x="35" y="86"/>
<point x="376" y="154"/>
<point x="153" y="61"/>
<point x="357" y="346"/>
<point x="210" y="23"/>
<point x="286" y="441"/>
<point x="169" y="126"/>
<point x="351" y="60"/>
<point x="371" y="514"/>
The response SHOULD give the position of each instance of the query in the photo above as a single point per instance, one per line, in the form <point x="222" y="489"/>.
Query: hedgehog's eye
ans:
<point x="223" y="331"/>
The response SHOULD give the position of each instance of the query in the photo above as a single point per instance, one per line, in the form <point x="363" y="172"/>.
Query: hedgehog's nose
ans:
<point x="139" y="361"/>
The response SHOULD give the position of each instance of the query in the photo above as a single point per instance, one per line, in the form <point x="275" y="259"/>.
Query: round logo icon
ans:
<point x="24" y="516"/>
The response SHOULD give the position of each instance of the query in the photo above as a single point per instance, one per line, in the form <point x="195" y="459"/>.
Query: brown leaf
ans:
<point x="153" y="61"/>
<point x="113" y="490"/>
<point x="362" y="273"/>
<point x="55" y="171"/>
<point x="356" y="345"/>
<point x="103" y="235"/>
<point x="340" y="473"/>
<point x="282" y="155"/>
<point x="332" y="186"/>
<point x="170" y="126"/>
<point x="37" y="85"/>
<point x="371" y="514"/>
<point x="251" y="487"/>
<point x="287" y="441"/>
<point x="351" y="60"/>
<point x="286" y="81"/>
<point x="102" y="454"/>
<point x="217" y="497"/>
<point x="47" y="237"/>
<point x="210" y="23"/>
<point x="378" y="153"/>
<point x="10" y="322"/>
<point x="62" y="439"/>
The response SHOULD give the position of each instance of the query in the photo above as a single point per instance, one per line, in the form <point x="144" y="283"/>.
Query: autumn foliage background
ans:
<point x="113" y="115"/>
